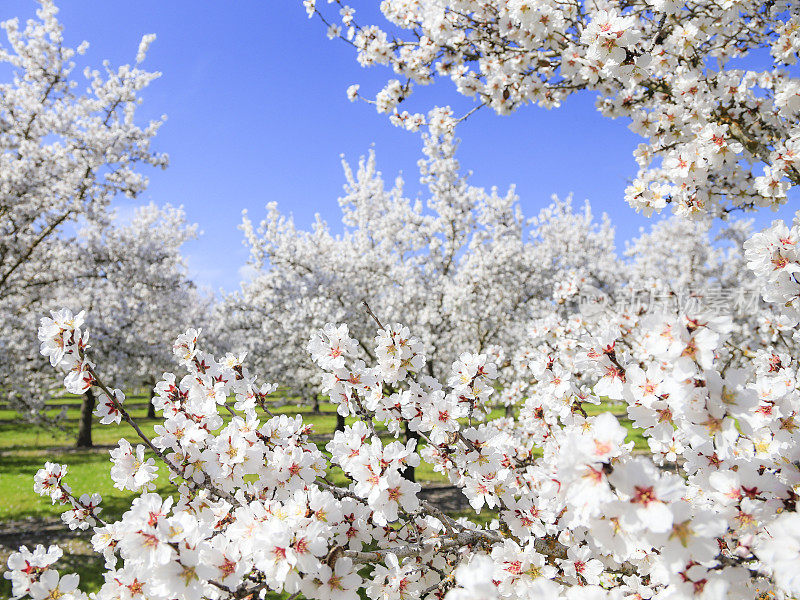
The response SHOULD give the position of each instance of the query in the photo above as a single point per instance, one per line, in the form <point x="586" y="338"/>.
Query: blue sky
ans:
<point x="255" y="98"/>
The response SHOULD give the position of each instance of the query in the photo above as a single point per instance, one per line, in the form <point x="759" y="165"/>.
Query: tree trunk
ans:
<point x="339" y="422"/>
<point x="409" y="472"/>
<point x="151" y="410"/>
<point x="510" y="411"/>
<point x="316" y="403"/>
<point x="85" y="426"/>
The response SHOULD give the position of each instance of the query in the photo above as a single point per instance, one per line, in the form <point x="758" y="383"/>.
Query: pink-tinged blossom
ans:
<point x="26" y="567"/>
<point x="648" y="493"/>
<point x="131" y="471"/>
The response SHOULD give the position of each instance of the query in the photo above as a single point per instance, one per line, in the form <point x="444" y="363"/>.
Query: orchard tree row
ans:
<point x="419" y="315"/>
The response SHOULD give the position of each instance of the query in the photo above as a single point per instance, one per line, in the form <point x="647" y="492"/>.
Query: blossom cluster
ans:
<point x="48" y="481"/>
<point x="255" y="508"/>
<point x="718" y="137"/>
<point x="773" y="255"/>
<point x="31" y="575"/>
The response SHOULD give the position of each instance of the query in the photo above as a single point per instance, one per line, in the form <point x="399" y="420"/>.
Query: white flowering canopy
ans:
<point x="708" y="510"/>
<point x="466" y="270"/>
<point x="70" y="143"/>
<point x="719" y="136"/>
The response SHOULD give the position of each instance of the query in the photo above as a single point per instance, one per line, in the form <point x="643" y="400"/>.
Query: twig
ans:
<point x="372" y="314"/>
<point x="206" y="483"/>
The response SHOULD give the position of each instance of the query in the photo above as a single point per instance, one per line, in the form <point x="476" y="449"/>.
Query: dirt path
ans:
<point x="32" y="531"/>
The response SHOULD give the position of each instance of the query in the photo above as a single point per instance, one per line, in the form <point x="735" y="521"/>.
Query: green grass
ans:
<point x="87" y="472"/>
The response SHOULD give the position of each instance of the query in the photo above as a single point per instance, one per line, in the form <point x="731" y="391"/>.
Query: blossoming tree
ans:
<point x="139" y="292"/>
<point x="720" y="135"/>
<point x="66" y="150"/>
<point x="465" y="270"/>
